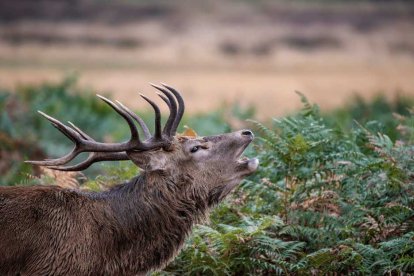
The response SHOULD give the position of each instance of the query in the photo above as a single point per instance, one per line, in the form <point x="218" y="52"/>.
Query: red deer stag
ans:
<point x="135" y="227"/>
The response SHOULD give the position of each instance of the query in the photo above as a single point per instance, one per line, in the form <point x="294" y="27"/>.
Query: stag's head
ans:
<point x="207" y="166"/>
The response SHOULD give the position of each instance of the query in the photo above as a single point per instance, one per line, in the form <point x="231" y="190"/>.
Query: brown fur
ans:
<point x="131" y="229"/>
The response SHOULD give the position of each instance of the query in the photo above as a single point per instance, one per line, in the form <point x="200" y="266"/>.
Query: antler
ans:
<point x="119" y="151"/>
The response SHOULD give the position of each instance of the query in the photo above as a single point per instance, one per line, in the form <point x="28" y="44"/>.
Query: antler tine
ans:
<point x="56" y="162"/>
<point x="165" y="99"/>
<point x="83" y="134"/>
<point x="71" y="134"/>
<point x="92" y="158"/>
<point x="125" y="115"/>
<point x="181" y="107"/>
<point x="141" y="122"/>
<point x="172" y="107"/>
<point x="157" y="133"/>
<point x="67" y="131"/>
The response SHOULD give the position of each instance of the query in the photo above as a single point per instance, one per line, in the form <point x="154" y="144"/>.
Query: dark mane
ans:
<point x="138" y="222"/>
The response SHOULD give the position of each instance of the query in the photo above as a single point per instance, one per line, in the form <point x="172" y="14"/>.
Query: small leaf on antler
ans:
<point x="188" y="131"/>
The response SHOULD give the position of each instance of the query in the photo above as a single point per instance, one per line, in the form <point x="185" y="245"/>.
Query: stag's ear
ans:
<point x="149" y="161"/>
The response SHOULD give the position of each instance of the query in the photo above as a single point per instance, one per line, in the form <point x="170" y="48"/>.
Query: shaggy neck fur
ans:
<point x="154" y="218"/>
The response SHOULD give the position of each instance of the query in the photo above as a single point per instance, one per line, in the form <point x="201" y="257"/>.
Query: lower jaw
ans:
<point x="246" y="167"/>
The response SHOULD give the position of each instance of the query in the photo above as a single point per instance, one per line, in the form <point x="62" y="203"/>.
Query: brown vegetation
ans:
<point x="216" y="52"/>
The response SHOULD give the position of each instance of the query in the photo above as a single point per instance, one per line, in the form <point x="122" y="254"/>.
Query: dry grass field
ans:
<point x="220" y="53"/>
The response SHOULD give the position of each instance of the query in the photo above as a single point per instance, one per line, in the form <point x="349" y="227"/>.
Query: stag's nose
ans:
<point x="247" y="132"/>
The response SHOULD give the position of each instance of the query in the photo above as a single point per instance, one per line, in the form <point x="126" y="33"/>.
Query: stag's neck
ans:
<point x="154" y="219"/>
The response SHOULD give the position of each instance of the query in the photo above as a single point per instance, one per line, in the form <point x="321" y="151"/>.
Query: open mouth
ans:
<point x="248" y="165"/>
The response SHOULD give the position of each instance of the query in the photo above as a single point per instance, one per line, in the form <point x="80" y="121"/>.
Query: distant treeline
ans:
<point x="114" y="12"/>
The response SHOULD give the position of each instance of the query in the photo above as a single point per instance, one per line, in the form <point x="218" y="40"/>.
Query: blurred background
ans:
<point x="232" y="60"/>
<point x="255" y="52"/>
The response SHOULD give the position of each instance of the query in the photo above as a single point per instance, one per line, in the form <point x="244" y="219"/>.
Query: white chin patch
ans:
<point x="252" y="164"/>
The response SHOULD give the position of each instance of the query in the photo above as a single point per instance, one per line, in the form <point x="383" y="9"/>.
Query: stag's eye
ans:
<point x="194" y="149"/>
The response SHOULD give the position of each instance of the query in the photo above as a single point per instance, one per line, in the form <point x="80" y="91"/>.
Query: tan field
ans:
<point x="250" y="56"/>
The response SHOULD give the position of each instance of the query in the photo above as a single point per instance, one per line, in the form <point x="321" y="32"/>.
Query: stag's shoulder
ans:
<point x="37" y="191"/>
<point x="40" y="197"/>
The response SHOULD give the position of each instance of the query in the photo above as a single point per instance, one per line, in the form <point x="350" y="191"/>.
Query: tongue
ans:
<point x="252" y="164"/>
